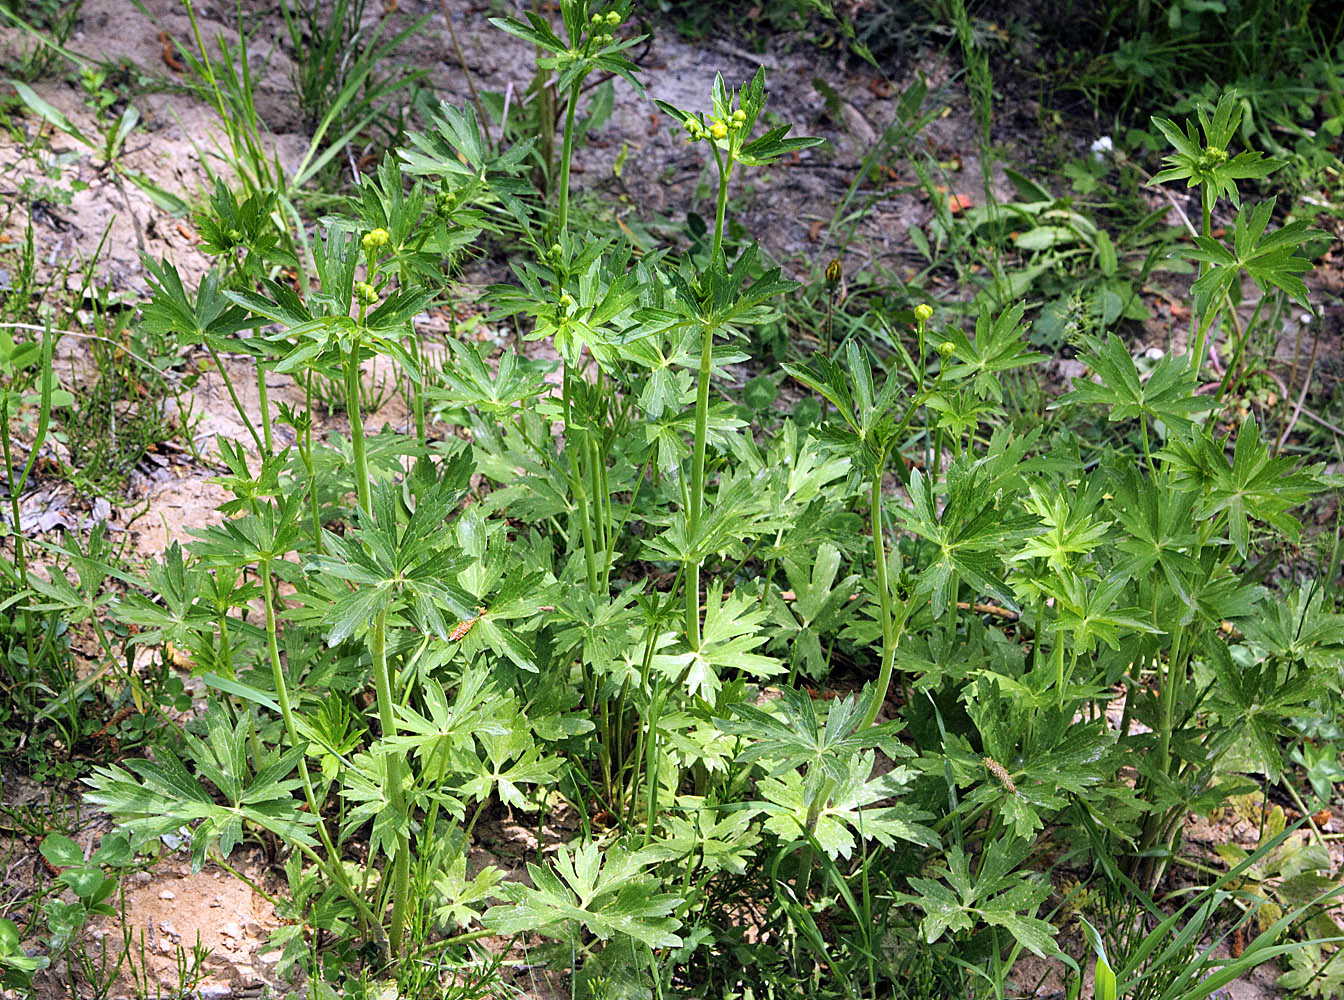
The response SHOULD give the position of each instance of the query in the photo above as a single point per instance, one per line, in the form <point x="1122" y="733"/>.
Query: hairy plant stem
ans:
<point x="1173" y="679"/>
<point x="233" y="395"/>
<point x="697" y="498"/>
<point x="332" y="864"/>
<point x="264" y="399"/>
<point x="418" y="391"/>
<point x="806" y="856"/>
<point x="1196" y="325"/>
<point x="884" y="599"/>
<point x="357" y="428"/>
<point x="566" y="153"/>
<point x="576" y="448"/>
<point x="401" y="862"/>
<point x="48" y="376"/>
<point x="306" y="454"/>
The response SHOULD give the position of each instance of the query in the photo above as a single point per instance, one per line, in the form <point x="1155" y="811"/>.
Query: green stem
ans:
<point x="233" y="395"/>
<point x="884" y="599"/>
<point x="20" y="561"/>
<point x="720" y="209"/>
<point x="401" y="861"/>
<point x="566" y="153"/>
<point x="264" y="399"/>
<point x="332" y="865"/>
<point x="697" y="498"/>
<point x="357" y="428"/>
<point x="1197" y="327"/>
<point x="576" y="447"/>
<point x="418" y="400"/>
<point x="806" y="856"/>
<point x="306" y="454"/>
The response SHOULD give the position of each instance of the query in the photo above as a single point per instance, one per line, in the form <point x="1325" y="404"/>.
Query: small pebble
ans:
<point x="167" y="928"/>
<point x="231" y="931"/>
<point x="167" y="894"/>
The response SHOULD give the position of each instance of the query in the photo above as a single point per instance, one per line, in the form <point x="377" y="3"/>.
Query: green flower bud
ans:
<point x="556" y="249"/>
<point x="567" y="300"/>
<point x="365" y="294"/>
<point x="947" y="348"/>
<point x="235" y="236"/>
<point x="375" y="240"/>
<point x="613" y="18"/>
<point x="719" y="130"/>
<point x="923" y="312"/>
<point x="739" y="116"/>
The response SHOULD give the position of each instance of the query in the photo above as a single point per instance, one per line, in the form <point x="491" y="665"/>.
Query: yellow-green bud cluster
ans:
<point x="374" y="240"/>
<point x="923" y="312"/>
<point x="947" y="348"/>
<point x="1212" y="157"/>
<point x="611" y="19"/>
<point x="365" y="294"/>
<point x="718" y="127"/>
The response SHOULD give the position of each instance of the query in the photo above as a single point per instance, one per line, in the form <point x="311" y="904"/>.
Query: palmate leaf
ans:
<point x="454" y="152"/>
<point x="999" y="894"/>
<point x="208" y="315"/>
<point x="1252" y="486"/>
<point x="716" y="839"/>
<point x="398" y="566"/>
<point x="1271" y="261"/>
<point x="468" y="381"/>
<point x="999" y="346"/>
<point x="972" y="534"/>
<point x="1299" y="629"/>
<point x="457" y="895"/>
<point x="794" y="737"/>
<point x="150" y="798"/>
<point x="1072" y="529"/>
<point x="1029" y="787"/>
<point x="1167" y="395"/>
<point x="1254" y="702"/>
<point x="609" y="893"/>
<point x="1158" y="529"/>
<point x="511" y="759"/>
<point x="365" y="785"/>
<point x="731" y="636"/>
<point x="849" y="809"/>
<point x="448" y="727"/>
<point x="1088" y="610"/>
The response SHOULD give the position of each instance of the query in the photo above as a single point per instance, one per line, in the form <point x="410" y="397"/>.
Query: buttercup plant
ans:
<point x="577" y="595"/>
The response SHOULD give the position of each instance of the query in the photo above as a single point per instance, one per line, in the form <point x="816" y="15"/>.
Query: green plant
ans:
<point x="611" y="587"/>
